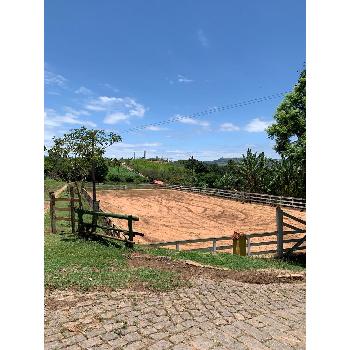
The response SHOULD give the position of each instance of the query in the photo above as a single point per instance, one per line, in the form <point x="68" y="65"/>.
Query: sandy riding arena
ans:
<point x="168" y="215"/>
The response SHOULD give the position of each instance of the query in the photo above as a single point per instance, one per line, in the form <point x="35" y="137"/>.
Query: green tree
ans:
<point x="253" y="172"/>
<point x="80" y="150"/>
<point x="289" y="129"/>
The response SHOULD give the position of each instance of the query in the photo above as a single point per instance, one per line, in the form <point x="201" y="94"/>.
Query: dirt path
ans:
<point x="57" y="193"/>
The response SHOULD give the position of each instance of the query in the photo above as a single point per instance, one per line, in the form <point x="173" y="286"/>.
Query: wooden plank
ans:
<point x="300" y="242"/>
<point x="112" y="215"/>
<point x="291" y="226"/>
<point x="257" y="244"/>
<point x="290" y="216"/>
<point x="66" y="200"/>
<point x="286" y="232"/>
<point x="189" y="241"/>
<point x="224" y="247"/>
<point x="261" y="234"/>
<point x="299" y="248"/>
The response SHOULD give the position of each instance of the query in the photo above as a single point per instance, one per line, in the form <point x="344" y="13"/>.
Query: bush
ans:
<point x="113" y="177"/>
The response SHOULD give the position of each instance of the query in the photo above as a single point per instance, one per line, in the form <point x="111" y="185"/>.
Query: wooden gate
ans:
<point x="69" y="208"/>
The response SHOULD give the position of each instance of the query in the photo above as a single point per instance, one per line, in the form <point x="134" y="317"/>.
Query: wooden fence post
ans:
<point x="248" y="245"/>
<point x="279" y="223"/>
<point x="72" y="212"/>
<point x="52" y="212"/>
<point x="239" y="246"/>
<point x="214" y="245"/>
<point x="177" y="245"/>
<point x="131" y="233"/>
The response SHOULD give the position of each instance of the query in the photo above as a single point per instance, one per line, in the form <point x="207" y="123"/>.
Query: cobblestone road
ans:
<point x="209" y="315"/>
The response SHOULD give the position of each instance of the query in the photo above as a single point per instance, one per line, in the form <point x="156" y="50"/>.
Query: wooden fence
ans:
<point x="70" y="208"/>
<point x="238" y="246"/>
<point x="244" y="244"/>
<point x="289" y="202"/>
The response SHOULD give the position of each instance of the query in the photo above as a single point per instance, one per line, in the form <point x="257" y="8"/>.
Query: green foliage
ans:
<point x="122" y="175"/>
<point x="289" y="130"/>
<point x="253" y="172"/>
<point x="170" y="172"/>
<point x="73" y="156"/>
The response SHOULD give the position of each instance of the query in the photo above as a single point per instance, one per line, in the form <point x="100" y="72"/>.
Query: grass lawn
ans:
<point x="231" y="261"/>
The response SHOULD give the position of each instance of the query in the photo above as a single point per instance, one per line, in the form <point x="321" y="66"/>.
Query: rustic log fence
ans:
<point x="243" y="243"/>
<point x="111" y="230"/>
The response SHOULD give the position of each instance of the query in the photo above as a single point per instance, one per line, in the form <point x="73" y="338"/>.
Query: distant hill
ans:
<point x="222" y="161"/>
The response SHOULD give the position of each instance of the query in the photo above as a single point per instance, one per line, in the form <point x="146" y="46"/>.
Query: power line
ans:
<point x="207" y="112"/>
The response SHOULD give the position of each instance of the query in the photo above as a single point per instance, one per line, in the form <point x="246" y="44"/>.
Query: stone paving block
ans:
<point x="160" y="345"/>
<point x="276" y="345"/>
<point x="210" y="314"/>
<point x="252" y="343"/>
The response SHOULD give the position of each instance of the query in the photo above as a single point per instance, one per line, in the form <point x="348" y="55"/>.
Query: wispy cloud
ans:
<point x="202" y="38"/>
<point x="192" y="121"/>
<point x="228" y="127"/>
<point x="54" y="79"/>
<point x="183" y="79"/>
<point x="117" y="109"/>
<point x="115" y="118"/>
<point x="111" y="87"/>
<point x="83" y="91"/>
<point x="155" y="128"/>
<point x="54" y="119"/>
<point x="257" y="125"/>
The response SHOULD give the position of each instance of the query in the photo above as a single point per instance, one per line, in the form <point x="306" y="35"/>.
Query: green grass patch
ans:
<point x="71" y="262"/>
<point x="231" y="261"/>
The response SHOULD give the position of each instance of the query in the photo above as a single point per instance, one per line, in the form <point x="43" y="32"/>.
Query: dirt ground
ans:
<point x="168" y="215"/>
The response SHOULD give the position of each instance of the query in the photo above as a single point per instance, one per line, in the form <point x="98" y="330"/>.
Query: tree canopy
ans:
<point x="289" y="129"/>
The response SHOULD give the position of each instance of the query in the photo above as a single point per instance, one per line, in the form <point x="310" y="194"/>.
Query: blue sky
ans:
<point x="116" y="65"/>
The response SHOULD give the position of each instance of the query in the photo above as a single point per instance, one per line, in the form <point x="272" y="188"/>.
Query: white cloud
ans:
<point x="117" y="108"/>
<point x="202" y="38"/>
<point x="257" y="125"/>
<point x="192" y="121"/>
<point x="83" y="91"/>
<point x="154" y="128"/>
<point x="53" y="119"/>
<point x="76" y="112"/>
<point x="54" y="79"/>
<point x="183" y="79"/>
<point x="228" y="127"/>
<point x="115" y="118"/>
